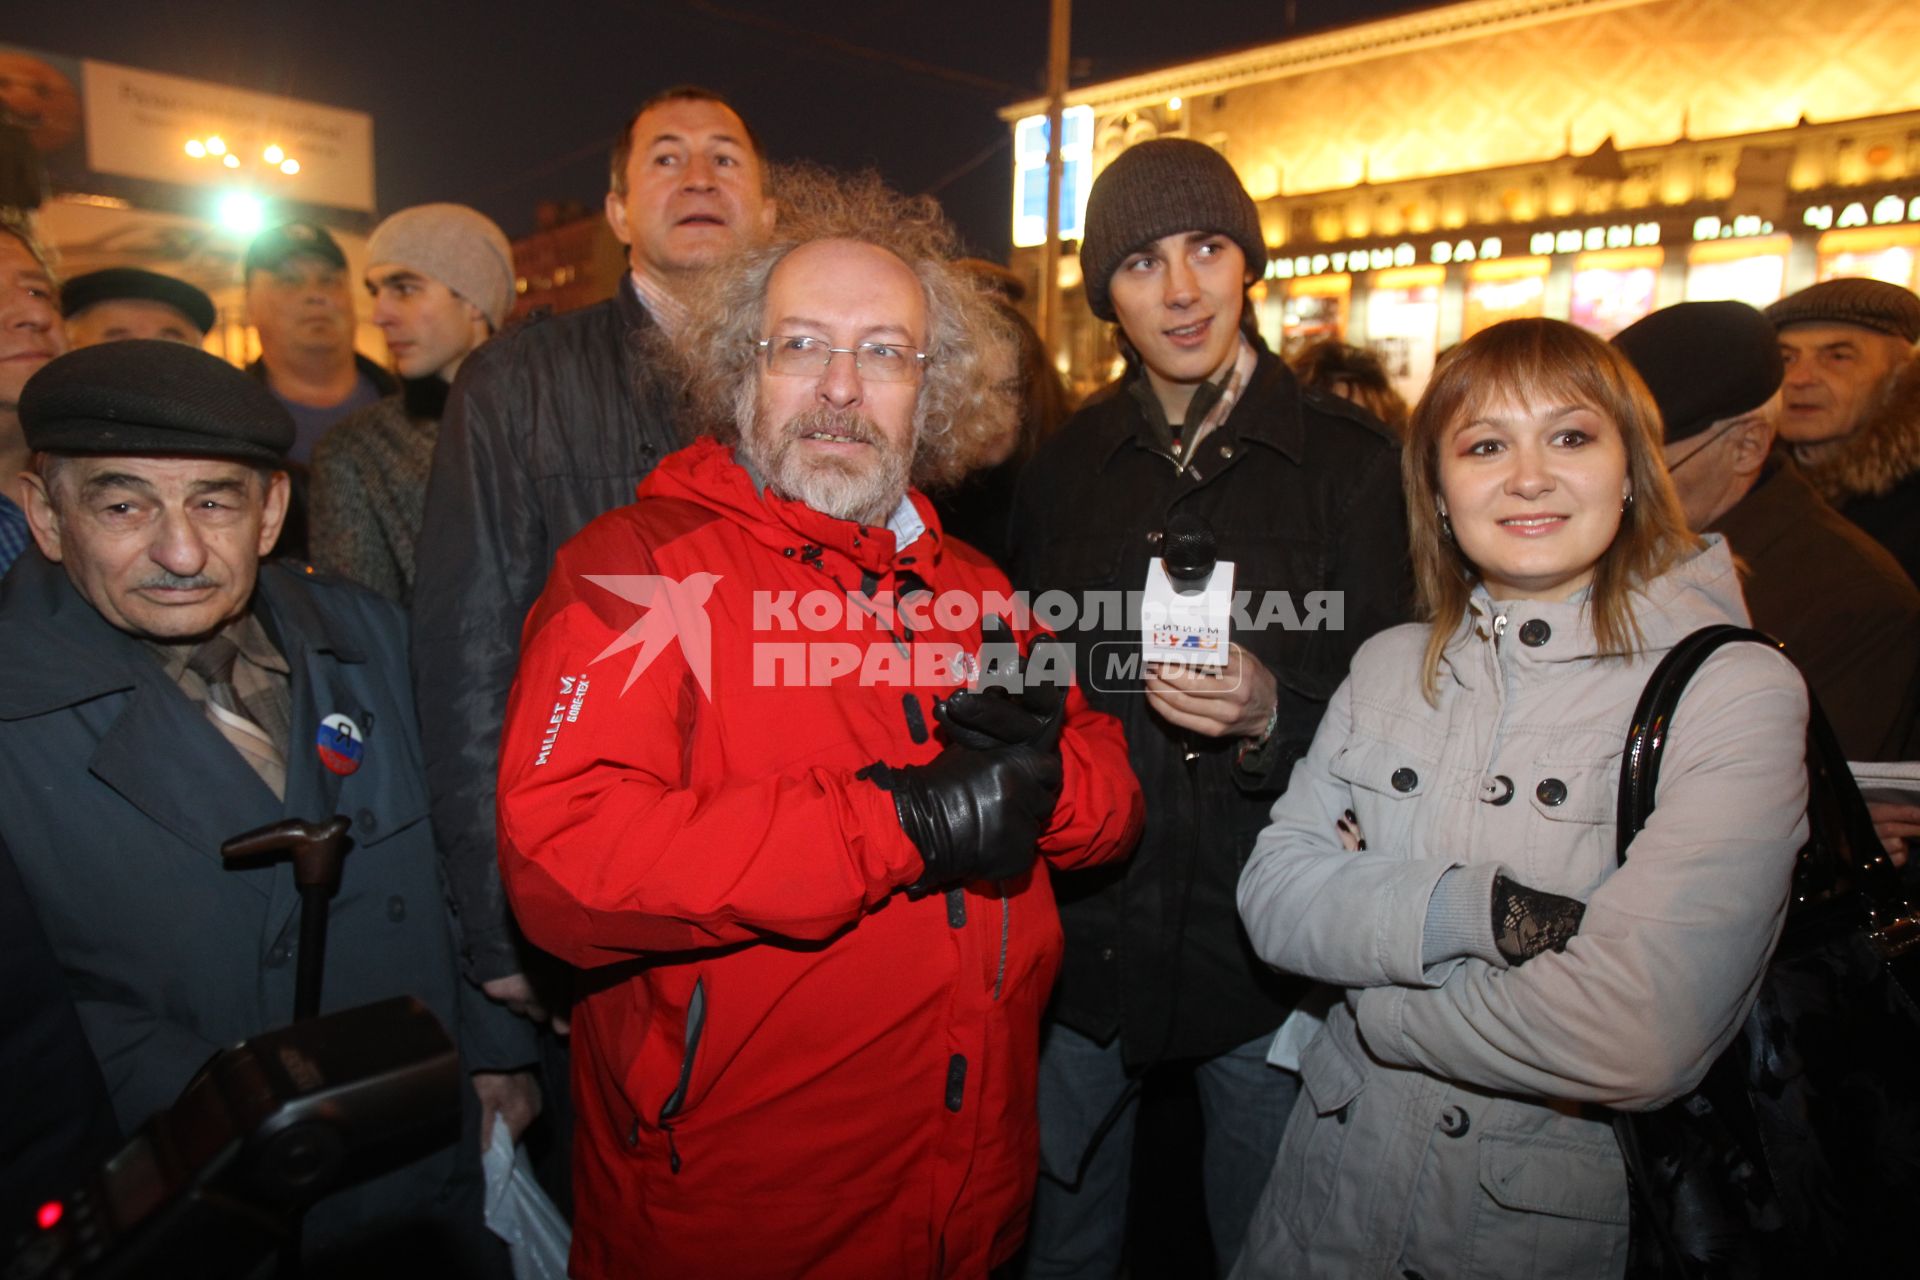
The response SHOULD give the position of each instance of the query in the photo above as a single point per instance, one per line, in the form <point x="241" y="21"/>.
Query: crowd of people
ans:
<point x="807" y="894"/>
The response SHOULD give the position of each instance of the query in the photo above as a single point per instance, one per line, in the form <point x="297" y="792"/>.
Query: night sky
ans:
<point x="503" y="105"/>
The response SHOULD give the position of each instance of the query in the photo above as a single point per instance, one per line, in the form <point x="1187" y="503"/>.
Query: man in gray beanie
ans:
<point x="1207" y="441"/>
<point x="1850" y="407"/>
<point x="441" y="276"/>
<point x="1838" y="599"/>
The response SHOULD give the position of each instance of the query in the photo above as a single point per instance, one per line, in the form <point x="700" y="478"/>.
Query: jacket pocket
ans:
<point x="1385" y="769"/>
<point x="696" y="1024"/>
<point x="1306" y="1173"/>
<point x="1571" y="844"/>
<point x="1549" y="1209"/>
<point x="1533" y="1175"/>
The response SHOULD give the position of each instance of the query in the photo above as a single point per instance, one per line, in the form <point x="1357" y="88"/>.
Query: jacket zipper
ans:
<point x="1006" y="925"/>
<point x="696" y="1023"/>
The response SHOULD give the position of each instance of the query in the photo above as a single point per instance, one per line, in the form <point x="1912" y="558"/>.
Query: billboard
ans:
<point x="86" y="120"/>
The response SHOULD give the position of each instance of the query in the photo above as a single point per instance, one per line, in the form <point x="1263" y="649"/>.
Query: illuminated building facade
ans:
<point x="571" y="260"/>
<point x="1421" y="177"/>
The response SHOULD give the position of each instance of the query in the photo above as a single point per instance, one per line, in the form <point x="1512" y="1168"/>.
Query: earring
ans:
<point x="1446" y="527"/>
<point x="1626" y="503"/>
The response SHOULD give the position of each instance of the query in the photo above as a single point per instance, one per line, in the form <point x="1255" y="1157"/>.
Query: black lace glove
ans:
<point x="1529" y="921"/>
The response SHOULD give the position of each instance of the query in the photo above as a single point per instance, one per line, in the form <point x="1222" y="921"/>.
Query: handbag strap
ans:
<point x="1842" y="850"/>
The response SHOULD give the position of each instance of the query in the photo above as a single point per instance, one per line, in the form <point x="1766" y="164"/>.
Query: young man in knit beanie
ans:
<point x="441" y="278"/>
<point x="1300" y="491"/>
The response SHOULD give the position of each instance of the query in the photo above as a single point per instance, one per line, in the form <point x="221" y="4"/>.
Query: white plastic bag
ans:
<point x="520" y="1213"/>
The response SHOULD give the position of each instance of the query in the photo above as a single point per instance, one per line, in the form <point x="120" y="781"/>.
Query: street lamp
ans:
<point x="272" y="156"/>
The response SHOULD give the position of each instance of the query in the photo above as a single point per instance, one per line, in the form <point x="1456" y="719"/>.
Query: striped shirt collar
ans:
<point x="667" y="311"/>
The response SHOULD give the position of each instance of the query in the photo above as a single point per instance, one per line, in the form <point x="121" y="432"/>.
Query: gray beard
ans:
<point x="830" y="486"/>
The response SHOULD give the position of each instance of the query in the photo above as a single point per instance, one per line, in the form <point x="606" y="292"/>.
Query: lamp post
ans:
<point x="1057" y="44"/>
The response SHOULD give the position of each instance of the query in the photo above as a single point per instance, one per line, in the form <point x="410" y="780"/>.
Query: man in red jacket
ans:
<point x="744" y="785"/>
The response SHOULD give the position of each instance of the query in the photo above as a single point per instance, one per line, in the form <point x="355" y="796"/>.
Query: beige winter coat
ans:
<point x="1456" y="1128"/>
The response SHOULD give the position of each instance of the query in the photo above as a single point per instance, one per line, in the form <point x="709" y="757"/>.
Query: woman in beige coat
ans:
<point x="1436" y="849"/>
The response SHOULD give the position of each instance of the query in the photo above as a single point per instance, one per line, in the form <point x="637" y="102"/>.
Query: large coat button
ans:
<point x="1551" y="791"/>
<point x="1497" y="790"/>
<point x="1454" y="1121"/>
<point x="1534" y="633"/>
<point x="1404" y="779"/>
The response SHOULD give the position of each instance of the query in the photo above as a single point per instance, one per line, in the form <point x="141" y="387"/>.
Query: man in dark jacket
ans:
<point x="164" y="691"/>
<point x="1301" y="492"/>
<point x="548" y="426"/>
<point x="1846" y="610"/>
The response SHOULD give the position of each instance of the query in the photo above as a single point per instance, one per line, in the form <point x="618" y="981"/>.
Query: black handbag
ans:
<point x="1799" y="1153"/>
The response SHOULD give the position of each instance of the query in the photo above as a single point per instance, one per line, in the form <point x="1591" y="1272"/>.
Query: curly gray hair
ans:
<point x="956" y="419"/>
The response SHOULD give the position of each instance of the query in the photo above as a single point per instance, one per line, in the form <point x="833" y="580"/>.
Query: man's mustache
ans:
<point x="839" y="422"/>
<point x="165" y="581"/>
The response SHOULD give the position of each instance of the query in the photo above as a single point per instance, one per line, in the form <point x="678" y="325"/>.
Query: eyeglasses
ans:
<point x="1707" y="444"/>
<point x="797" y="357"/>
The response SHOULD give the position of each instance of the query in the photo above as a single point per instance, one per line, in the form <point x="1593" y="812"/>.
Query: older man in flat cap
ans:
<point x="126" y="302"/>
<point x="1850" y="407"/>
<point x="164" y="690"/>
<point x="1840" y="601"/>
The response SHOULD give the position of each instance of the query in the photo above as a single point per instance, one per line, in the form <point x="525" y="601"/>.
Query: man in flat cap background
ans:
<point x="300" y="300"/>
<point x="1850" y="407"/>
<point x="29" y="337"/>
<point x="126" y="302"/>
<point x="1846" y="610"/>
<point x="441" y="277"/>
<point x="164" y="691"/>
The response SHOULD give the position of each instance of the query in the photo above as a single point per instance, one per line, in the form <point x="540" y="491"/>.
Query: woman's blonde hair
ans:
<point x="1537" y="361"/>
<point x="956" y="420"/>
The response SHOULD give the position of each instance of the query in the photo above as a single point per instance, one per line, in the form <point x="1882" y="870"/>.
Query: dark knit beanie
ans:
<point x="1871" y="304"/>
<point x="1160" y="188"/>
<point x="1704" y="362"/>
<point x="145" y="396"/>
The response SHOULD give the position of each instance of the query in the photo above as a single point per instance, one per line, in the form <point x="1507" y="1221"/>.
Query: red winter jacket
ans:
<point x="783" y="1065"/>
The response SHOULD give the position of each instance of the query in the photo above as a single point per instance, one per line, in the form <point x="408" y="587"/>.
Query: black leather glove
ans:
<point x="974" y="815"/>
<point x="1027" y="707"/>
<point x="1527" y="921"/>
